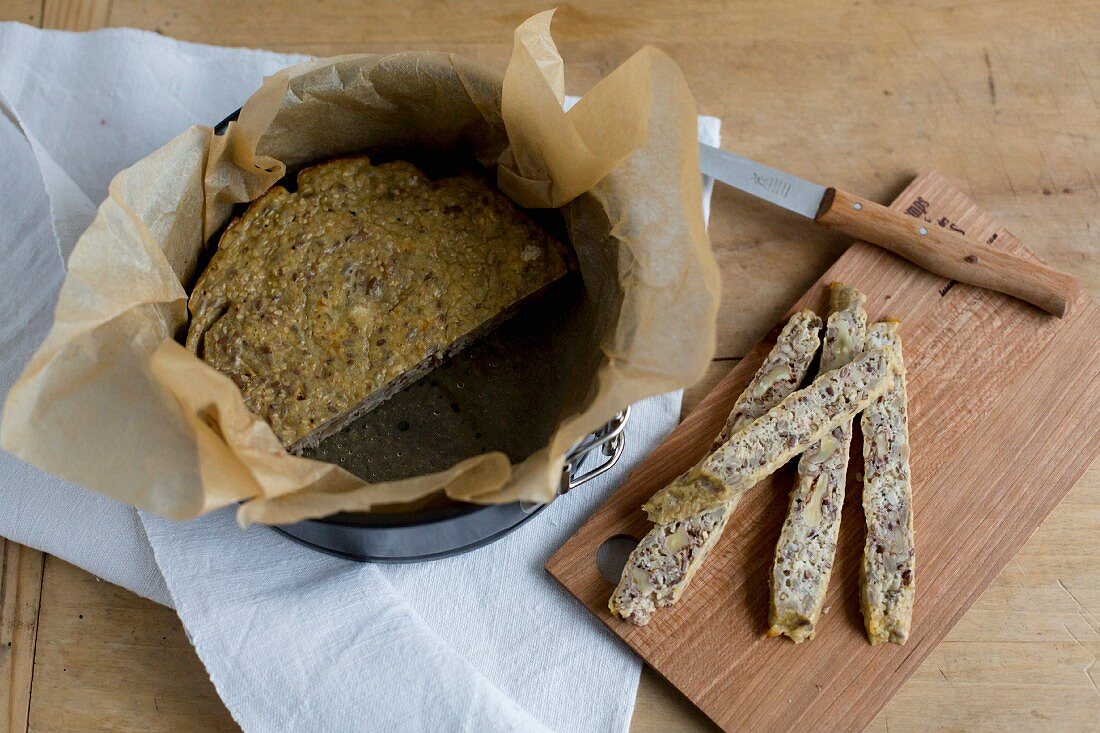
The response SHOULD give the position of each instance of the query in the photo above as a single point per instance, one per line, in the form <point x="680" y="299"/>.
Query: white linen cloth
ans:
<point x="293" y="639"/>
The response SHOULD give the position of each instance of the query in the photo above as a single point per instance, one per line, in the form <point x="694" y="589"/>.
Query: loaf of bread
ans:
<point x="886" y="580"/>
<point x="807" y="543"/>
<point x="785" y="431"/>
<point x="660" y="568"/>
<point x="322" y="302"/>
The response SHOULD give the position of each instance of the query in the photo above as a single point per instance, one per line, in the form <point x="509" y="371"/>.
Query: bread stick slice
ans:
<point x="807" y="543"/>
<point x="664" y="562"/>
<point x="782" y="371"/>
<point x="787" y="430"/>
<point x="886" y="575"/>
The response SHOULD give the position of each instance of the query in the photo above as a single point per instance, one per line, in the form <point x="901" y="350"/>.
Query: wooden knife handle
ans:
<point x="947" y="253"/>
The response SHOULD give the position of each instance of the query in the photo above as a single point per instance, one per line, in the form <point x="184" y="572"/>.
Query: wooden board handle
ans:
<point x="947" y="253"/>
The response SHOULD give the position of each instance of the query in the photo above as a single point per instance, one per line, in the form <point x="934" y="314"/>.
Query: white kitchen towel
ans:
<point x="293" y="639"/>
<point x="37" y="509"/>
<point x="483" y="641"/>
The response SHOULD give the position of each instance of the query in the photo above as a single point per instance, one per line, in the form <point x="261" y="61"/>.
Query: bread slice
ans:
<point x="787" y="430"/>
<point x="807" y="543"/>
<point x="660" y="568"/>
<point x="886" y="576"/>
<point x="782" y="371"/>
<point x="323" y="302"/>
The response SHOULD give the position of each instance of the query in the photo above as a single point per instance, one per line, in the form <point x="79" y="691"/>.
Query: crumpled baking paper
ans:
<point x="111" y="399"/>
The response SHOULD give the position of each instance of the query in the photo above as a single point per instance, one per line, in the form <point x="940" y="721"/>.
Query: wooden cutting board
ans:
<point x="1004" y="418"/>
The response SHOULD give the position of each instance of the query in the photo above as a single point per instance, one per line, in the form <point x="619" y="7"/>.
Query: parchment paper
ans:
<point x="113" y="401"/>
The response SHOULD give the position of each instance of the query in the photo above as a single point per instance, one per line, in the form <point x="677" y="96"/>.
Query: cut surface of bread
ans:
<point x="787" y="430"/>
<point x="886" y="576"/>
<point x="660" y="568"/>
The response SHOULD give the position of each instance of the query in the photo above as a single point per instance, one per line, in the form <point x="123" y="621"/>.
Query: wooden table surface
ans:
<point x="1003" y="98"/>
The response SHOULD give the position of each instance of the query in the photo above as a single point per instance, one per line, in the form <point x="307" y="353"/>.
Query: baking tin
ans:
<point x="456" y="528"/>
<point x="442" y="531"/>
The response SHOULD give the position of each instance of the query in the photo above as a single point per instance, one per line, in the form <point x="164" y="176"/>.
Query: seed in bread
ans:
<point x="886" y="575"/>
<point x="321" y="303"/>
<point x="660" y="568"/>
<point x="785" y="431"/>
<point x="807" y="543"/>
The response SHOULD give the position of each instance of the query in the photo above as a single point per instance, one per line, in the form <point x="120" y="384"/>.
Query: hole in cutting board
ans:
<point x="612" y="554"/>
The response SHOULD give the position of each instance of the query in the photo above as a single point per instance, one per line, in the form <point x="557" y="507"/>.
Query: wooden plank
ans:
<point x="20" y="591"/>
<point x="24" y="11"/>
<point x="109" y="660"/>
<point x="76" y="15"/>
<point x="997" y="444"/>
<point x="661" y="708"/>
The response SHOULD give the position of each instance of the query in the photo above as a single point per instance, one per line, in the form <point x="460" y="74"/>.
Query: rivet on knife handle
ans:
<point x="947" y="253"/>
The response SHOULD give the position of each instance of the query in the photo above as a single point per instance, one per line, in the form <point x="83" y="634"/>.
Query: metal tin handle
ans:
<point x="610" y="440"/>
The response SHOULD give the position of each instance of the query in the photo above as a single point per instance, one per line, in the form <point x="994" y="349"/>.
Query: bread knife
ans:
<point x="939" y="250"/>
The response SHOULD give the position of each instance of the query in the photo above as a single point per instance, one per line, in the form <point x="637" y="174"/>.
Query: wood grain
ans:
<point x="20" y="589"/>
<point x="24" y="11"/>
<point x="1001" y="97"/>
<point x="996" y="444"/>
<point x="109" y="660"/>
<point x="947" y="253"/>
<point x="76" y="15"/>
